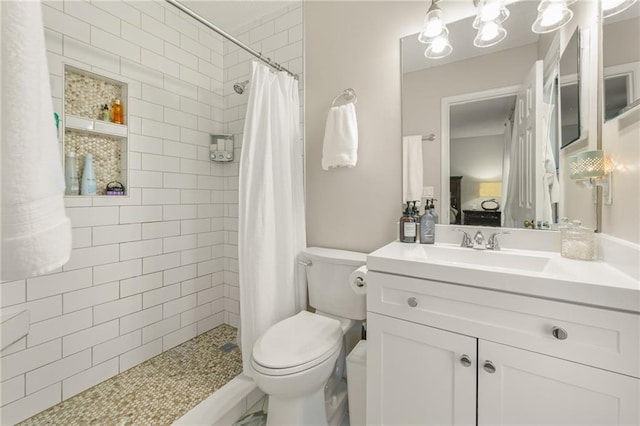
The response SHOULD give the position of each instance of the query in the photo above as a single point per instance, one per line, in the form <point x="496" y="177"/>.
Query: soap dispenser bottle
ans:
<point x="416" y="217"/>
<point x="432" y="207"/>
<point x="407" y="226"/>
<point x="427" y="226"/>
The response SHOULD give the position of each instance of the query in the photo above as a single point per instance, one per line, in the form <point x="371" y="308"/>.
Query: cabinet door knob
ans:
<point x="559" y="333"/>
<point x="465" y="360"/>
<point x="489" y="367"/>
<point x="413" y="302"/>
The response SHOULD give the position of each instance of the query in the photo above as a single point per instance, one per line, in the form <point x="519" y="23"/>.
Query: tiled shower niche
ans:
<point x="85" y="93"/>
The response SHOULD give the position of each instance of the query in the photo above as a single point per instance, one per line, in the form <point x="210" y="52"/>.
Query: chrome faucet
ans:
<point x="478" y="242"/>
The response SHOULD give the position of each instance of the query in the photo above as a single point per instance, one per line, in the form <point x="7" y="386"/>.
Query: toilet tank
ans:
<point x="328" y="282"/>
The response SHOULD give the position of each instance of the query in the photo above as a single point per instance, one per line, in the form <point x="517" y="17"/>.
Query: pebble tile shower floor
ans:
<point x="158" y="391"/>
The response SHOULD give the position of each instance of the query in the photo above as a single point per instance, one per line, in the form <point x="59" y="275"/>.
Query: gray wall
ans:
<point x="355" y="209"/>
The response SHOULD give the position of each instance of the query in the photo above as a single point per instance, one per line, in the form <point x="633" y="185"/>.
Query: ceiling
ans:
<point x="229" y="15"/>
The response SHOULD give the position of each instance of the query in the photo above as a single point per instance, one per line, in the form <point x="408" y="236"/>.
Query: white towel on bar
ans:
<point x="412" y="168"/>
<point x="36" y="233"/>
<point x="340" y="148"/>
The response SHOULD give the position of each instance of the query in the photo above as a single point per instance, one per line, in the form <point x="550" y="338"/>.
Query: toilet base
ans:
<point x="308" y="410"/>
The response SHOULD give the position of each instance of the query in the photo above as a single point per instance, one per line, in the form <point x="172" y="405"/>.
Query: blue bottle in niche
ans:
<point x="88" y="186"/>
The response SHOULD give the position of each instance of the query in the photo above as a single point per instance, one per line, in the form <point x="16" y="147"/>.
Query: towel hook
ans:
<point x="348" y="94"/>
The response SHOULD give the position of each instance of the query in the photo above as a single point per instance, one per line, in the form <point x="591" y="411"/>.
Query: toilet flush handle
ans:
<point x="305" y="262"/>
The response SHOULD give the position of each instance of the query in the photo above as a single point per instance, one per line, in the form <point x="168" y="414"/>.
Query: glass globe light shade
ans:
<point x="489" y="34"/>
<point x="613" y="7"/>
<point x="438" y="48"/>
<point x="552" y="15"/>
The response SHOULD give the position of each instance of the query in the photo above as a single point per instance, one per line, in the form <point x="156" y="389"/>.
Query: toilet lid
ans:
<point x="297" y="340"/>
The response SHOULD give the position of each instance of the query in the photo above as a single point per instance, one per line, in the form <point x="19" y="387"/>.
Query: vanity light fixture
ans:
<point x="552" y="15"/>
<point x="613" y="7"/>
<point x="489" y="18"/>
<point x="592" y="168"/>
<point x="435" y="34"/>
<point x="490" y="11"/>
<point x="434" y="26"/>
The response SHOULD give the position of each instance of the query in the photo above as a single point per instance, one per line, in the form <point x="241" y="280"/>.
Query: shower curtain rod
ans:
<point x="229" y="37"/>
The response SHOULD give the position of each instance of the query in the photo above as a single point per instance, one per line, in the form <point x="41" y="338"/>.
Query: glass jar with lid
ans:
<point x="577" y="241"/>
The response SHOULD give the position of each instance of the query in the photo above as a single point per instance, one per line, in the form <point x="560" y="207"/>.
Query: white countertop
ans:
<point x="532" y="273"/>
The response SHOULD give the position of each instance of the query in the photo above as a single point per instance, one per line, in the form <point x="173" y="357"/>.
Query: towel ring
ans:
<point x="349" y="95"/>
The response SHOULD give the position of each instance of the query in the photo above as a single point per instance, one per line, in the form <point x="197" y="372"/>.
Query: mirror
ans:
<point x="569" y="88"/>
<point x="621" y="60"/>
<point x="469" y="100"/>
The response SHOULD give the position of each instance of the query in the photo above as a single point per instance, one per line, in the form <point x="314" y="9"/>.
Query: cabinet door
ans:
<point x="532" y="389"/>
<point x="415" y="375"/>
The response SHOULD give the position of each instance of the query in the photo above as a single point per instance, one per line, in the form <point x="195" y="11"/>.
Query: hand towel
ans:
<point x="412" y="168"/>
<point x="340" y="148"/>
<point x="36" y="234"/>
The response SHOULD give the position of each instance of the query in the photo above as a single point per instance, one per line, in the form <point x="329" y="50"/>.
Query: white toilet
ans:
<point x="299" y="362"/>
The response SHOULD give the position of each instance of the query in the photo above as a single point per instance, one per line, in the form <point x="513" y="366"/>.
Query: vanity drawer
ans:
<point x="594" y="336"/>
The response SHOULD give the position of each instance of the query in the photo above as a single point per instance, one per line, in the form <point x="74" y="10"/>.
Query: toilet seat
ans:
<point x="297" y="343"/>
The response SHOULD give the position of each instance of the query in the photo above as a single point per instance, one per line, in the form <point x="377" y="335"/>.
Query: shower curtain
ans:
<point x="271" y="211"/>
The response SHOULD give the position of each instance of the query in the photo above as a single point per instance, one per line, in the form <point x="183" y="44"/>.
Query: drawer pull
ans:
<point x="413" y="302"/>
<point x="489" y="367"/>
<point x="465" y="360"/>
<point x="559" y="333"/>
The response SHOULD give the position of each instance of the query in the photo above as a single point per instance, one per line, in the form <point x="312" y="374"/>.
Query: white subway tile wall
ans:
<point x="160" y="266"/>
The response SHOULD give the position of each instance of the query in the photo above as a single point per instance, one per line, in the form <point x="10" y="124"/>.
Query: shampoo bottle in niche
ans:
<point x="88" y="186"/>
<point x="407" y="226"/>
<point x="72" y="185"/>
<point x="427" y="226"/>
<point x="117" y="112"/>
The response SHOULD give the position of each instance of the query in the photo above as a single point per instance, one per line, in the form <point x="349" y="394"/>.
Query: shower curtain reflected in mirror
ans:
<point x="271" y="211"/>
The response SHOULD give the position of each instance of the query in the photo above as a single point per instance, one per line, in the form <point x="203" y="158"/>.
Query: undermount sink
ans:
<point x="481" y="258"/>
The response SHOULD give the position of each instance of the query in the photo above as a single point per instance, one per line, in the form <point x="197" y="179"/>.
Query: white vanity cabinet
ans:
<point x="447" y="354"/>
<point x="415" y="376"/>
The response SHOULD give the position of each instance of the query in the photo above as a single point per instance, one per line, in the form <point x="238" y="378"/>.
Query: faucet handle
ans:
<point x="466" y="239"/>
<point x="493" y="244"/>
<point x="479" y="243"/>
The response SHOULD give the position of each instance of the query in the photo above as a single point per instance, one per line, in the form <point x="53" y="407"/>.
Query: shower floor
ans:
<point x="158" y="391"/>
